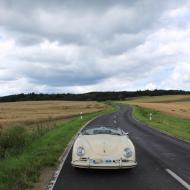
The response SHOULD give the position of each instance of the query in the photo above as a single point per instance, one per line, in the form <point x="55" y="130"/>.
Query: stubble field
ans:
<point x="39" y="111"/>
<point x="178" y="105"/>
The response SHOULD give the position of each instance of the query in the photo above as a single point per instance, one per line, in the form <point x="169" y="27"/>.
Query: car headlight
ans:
<point x="80" y="151"/>
<point x="127" y="152"/>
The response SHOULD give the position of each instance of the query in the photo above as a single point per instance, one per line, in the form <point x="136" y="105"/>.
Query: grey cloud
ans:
<point x="72" y="78"/>
<point x="28" y="40"/>
<point x="89" y="42"/>
<point x="59" y="4"/>
<point x="57" y="76"/>
<point x="122" y="43"/>
<point x="80" y="26"/>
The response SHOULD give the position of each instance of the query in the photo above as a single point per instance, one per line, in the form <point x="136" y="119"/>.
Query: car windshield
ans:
<point x="103" y="130"/>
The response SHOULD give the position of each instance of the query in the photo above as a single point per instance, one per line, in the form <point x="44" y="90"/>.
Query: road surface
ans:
<point x="163" y="161"/>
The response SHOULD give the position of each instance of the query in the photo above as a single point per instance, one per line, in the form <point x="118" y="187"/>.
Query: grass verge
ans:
<point x="21" y="170"/>
<point x="170" y="124"/>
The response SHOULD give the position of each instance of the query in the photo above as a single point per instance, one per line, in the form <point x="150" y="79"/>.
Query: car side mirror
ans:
<point x="126" y="133"/>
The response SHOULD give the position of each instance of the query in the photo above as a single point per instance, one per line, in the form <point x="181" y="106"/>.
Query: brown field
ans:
<point x="37" y="111"/>
<point x="178" y="105"/>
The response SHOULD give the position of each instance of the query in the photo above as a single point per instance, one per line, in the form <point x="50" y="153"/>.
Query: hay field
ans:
<point x="177" y="105"/>
<point x="37" y="111"/>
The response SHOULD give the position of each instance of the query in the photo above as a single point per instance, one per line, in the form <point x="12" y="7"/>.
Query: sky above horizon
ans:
<point x="79" y="46"/>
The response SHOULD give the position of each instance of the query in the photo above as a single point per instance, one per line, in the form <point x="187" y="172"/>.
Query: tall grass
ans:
<point x="15" y="138"/>
<point x="12" y="141"/>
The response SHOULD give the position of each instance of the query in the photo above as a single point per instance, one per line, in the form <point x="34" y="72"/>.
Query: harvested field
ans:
<point x="160" y="99"/>
<point x="175" y="105"/>
<point x="37" y="111"/>
<point x="181" y="110"/>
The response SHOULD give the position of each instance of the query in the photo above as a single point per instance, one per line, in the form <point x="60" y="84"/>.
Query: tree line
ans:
<point x="97" y="96"/>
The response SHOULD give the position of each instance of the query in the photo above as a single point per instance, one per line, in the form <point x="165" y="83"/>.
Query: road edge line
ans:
<point x="179" y="179"/>
<point x="63" y="157"/>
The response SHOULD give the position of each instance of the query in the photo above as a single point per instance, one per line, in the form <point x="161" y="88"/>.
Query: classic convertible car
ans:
<point x="103" y="147"/>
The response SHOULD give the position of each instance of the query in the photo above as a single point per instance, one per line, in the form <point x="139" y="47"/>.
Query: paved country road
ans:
<point x="163" y="162"/>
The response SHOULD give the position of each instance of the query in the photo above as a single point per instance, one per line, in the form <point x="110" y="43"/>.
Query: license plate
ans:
<point x="97" y="161"/>
<point x="108" y="161"/>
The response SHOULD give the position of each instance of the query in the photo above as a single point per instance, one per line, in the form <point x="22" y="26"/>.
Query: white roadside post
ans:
<point x="150" y="116"/>
<point x="81" y="115"/>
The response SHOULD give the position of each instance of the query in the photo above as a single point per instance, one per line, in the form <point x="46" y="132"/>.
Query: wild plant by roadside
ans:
<point x="14" y="140"/>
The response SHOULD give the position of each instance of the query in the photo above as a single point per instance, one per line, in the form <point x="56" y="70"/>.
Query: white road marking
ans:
<point x="179" y="179"/>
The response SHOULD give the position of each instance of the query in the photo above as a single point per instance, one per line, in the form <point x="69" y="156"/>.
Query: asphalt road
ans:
<point x="163" y="162"/>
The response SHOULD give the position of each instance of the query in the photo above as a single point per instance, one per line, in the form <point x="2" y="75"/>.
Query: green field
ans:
<point x="27" y="154"/>
<point x="173" y="125"/>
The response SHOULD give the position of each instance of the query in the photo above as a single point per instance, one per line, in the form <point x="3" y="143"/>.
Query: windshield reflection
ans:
<point x="103" y="130"/>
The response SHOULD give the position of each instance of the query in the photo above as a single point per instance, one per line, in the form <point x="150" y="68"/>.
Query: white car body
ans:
<point x="103" y="151"/>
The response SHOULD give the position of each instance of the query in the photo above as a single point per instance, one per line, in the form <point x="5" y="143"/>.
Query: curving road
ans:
<point x="163" y="162"/>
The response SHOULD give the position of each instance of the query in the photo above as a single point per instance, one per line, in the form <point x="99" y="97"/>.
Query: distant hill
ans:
<point x="98" y="96"/>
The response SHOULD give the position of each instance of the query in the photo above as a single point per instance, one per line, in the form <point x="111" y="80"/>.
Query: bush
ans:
<point x="12" y="141"/>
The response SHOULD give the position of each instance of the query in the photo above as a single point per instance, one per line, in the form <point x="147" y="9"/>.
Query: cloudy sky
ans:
<point x="93" y="45"/>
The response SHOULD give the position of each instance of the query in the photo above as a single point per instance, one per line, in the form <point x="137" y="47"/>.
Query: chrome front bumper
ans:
<point x="91" y="163"/>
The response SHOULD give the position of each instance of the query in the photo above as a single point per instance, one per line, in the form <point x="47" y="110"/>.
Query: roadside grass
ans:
<point x="175" y="126"/>
<point x="19" y="170"/>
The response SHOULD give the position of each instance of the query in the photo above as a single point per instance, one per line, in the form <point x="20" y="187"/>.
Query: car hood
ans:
<point x="105" y="145"/>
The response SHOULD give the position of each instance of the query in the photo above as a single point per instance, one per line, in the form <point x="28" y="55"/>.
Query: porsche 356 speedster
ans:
<point x="103" y="147"/>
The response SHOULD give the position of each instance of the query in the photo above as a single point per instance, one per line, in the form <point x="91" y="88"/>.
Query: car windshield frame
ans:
<point x="103" y="130"/>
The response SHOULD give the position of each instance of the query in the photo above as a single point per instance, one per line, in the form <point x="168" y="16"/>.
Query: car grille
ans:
<point x="83" y="159"/>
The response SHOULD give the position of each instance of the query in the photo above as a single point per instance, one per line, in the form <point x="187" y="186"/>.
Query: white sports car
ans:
<point x="103" y="147"/>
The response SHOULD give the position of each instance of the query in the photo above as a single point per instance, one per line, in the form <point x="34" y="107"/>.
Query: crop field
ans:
<point x="37" y="111"/>
<point x="177" y="105"/>
<point x="169" y="113"/>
